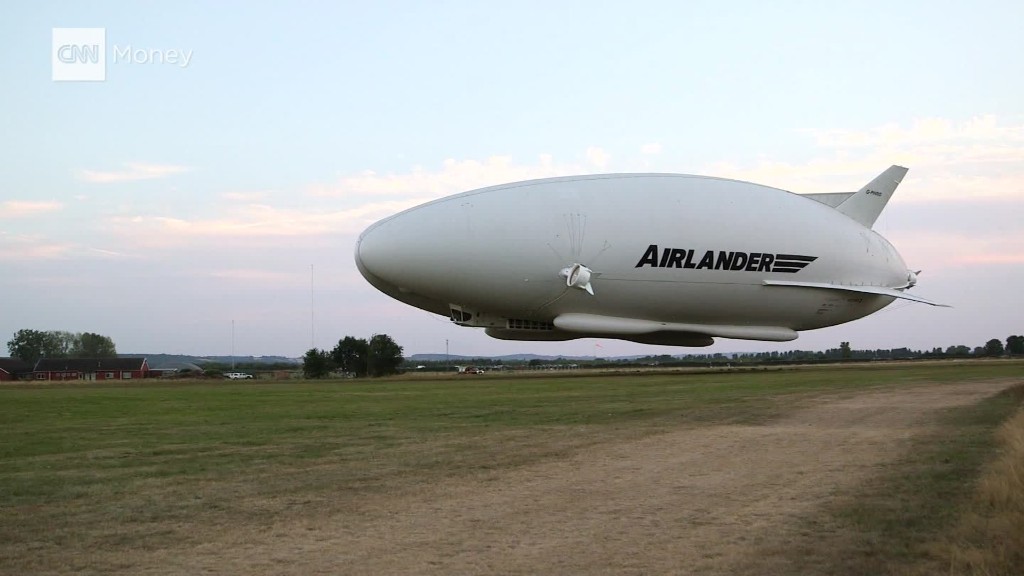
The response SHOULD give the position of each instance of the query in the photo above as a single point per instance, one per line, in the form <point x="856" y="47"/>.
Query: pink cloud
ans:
<point x="133" y="172"/>
<point x="22" y="208"/>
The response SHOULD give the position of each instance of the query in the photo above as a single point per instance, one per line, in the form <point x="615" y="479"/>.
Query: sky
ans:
<point x="212" y="208"/>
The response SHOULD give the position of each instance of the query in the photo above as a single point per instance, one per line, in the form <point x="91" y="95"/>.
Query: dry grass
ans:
<point x="990" y="537"/>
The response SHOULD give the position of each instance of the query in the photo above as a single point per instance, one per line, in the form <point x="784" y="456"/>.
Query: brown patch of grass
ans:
<point x="894" y="522"/>
<point x="990" y="537"/>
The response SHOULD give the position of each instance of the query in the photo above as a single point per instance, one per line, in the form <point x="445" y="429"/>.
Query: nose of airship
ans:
<point x="375" y="256"/>
<point x="397" y="254"/>
<point x="403" y="258"/>
<point x="434" y="255"/>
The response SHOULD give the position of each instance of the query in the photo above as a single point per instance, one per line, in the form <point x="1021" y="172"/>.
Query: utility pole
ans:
<point x="312" y="311"/>
<point x="369" y="355"/>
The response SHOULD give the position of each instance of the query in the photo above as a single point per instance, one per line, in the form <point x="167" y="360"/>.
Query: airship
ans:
<point x="667" y="259"/>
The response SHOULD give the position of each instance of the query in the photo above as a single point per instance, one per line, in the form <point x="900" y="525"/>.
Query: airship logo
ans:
<point x="723" y="260"/>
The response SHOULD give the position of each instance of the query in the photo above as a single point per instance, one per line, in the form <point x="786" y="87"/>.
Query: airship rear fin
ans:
<point x="832" y="199"/>
<point x="867" y="203"/>
<point x="878" y="290"/>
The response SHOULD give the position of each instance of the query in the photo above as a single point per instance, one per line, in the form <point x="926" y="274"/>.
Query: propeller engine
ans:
<point x="578" y="276"/>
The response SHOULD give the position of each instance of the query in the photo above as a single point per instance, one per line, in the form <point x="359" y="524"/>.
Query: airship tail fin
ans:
<point x="866" y="204"/>
<point x="879" y="290"/>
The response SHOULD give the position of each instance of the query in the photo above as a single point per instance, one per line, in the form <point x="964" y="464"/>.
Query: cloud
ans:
<point x="651" y="149"/>
<point x="453" y="176"/>
<point x="36" y="247"/>
<point x="924" y="132"/>
<point x="109" y="254"/>
<point x="257" y="221"/>
<point x="22" y="208"/>
<point x="597" y="157"/>
<point x="246" y="196"/>
<point x="133" y="172"/>
<point x="947" y="240"/>
<point x="31" y="248"/>
<point x="976" y="159"/>
<point x="1003" y="258"/>
<point x="937" y="251"/>
<point x="367" y="197"/>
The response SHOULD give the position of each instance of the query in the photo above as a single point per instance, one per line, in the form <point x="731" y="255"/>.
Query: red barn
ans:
<point x="91" y="369"/>
<point x="12" y="368"/>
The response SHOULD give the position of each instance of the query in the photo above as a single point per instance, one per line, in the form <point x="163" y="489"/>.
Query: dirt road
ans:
<point x="711" y="500"/>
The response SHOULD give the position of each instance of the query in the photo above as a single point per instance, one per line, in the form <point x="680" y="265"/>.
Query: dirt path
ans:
<point x="702" y="501"/>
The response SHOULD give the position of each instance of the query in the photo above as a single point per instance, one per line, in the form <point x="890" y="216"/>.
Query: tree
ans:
<point x="1015" y="345"/>
<point x="378" y="357"/>
<point x="350" y="355"/>
<point x="994" y="347"/>
<point x="64" y="344"/>
<point x="91" y="345"/>
<point x="844" y="350"/>
<point x="383" y="356"/>
<point x="31" y="345"/>
<point x="959" y="350"/>
<point x="316" y="363"/>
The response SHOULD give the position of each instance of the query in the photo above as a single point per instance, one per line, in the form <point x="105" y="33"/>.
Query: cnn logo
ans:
<point x="79" y="54"/>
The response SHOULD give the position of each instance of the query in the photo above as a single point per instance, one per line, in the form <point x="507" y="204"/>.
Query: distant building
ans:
<point x="90" y="369"/>
<point x="13" y="369"/>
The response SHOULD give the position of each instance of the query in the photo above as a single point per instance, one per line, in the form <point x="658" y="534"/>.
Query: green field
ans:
<point x="134" y="466"/>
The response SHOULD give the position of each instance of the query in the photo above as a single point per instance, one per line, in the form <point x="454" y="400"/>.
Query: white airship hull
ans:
<point x="656" y="258"/>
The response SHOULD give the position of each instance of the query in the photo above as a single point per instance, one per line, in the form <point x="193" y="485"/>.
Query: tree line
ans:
<point x="994" y="348"/>
<point x="31" y="345"/>
<point x="378" y="356"/>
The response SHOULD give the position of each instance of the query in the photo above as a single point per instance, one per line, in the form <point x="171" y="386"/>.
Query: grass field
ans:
<point x="152" y="464"/>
